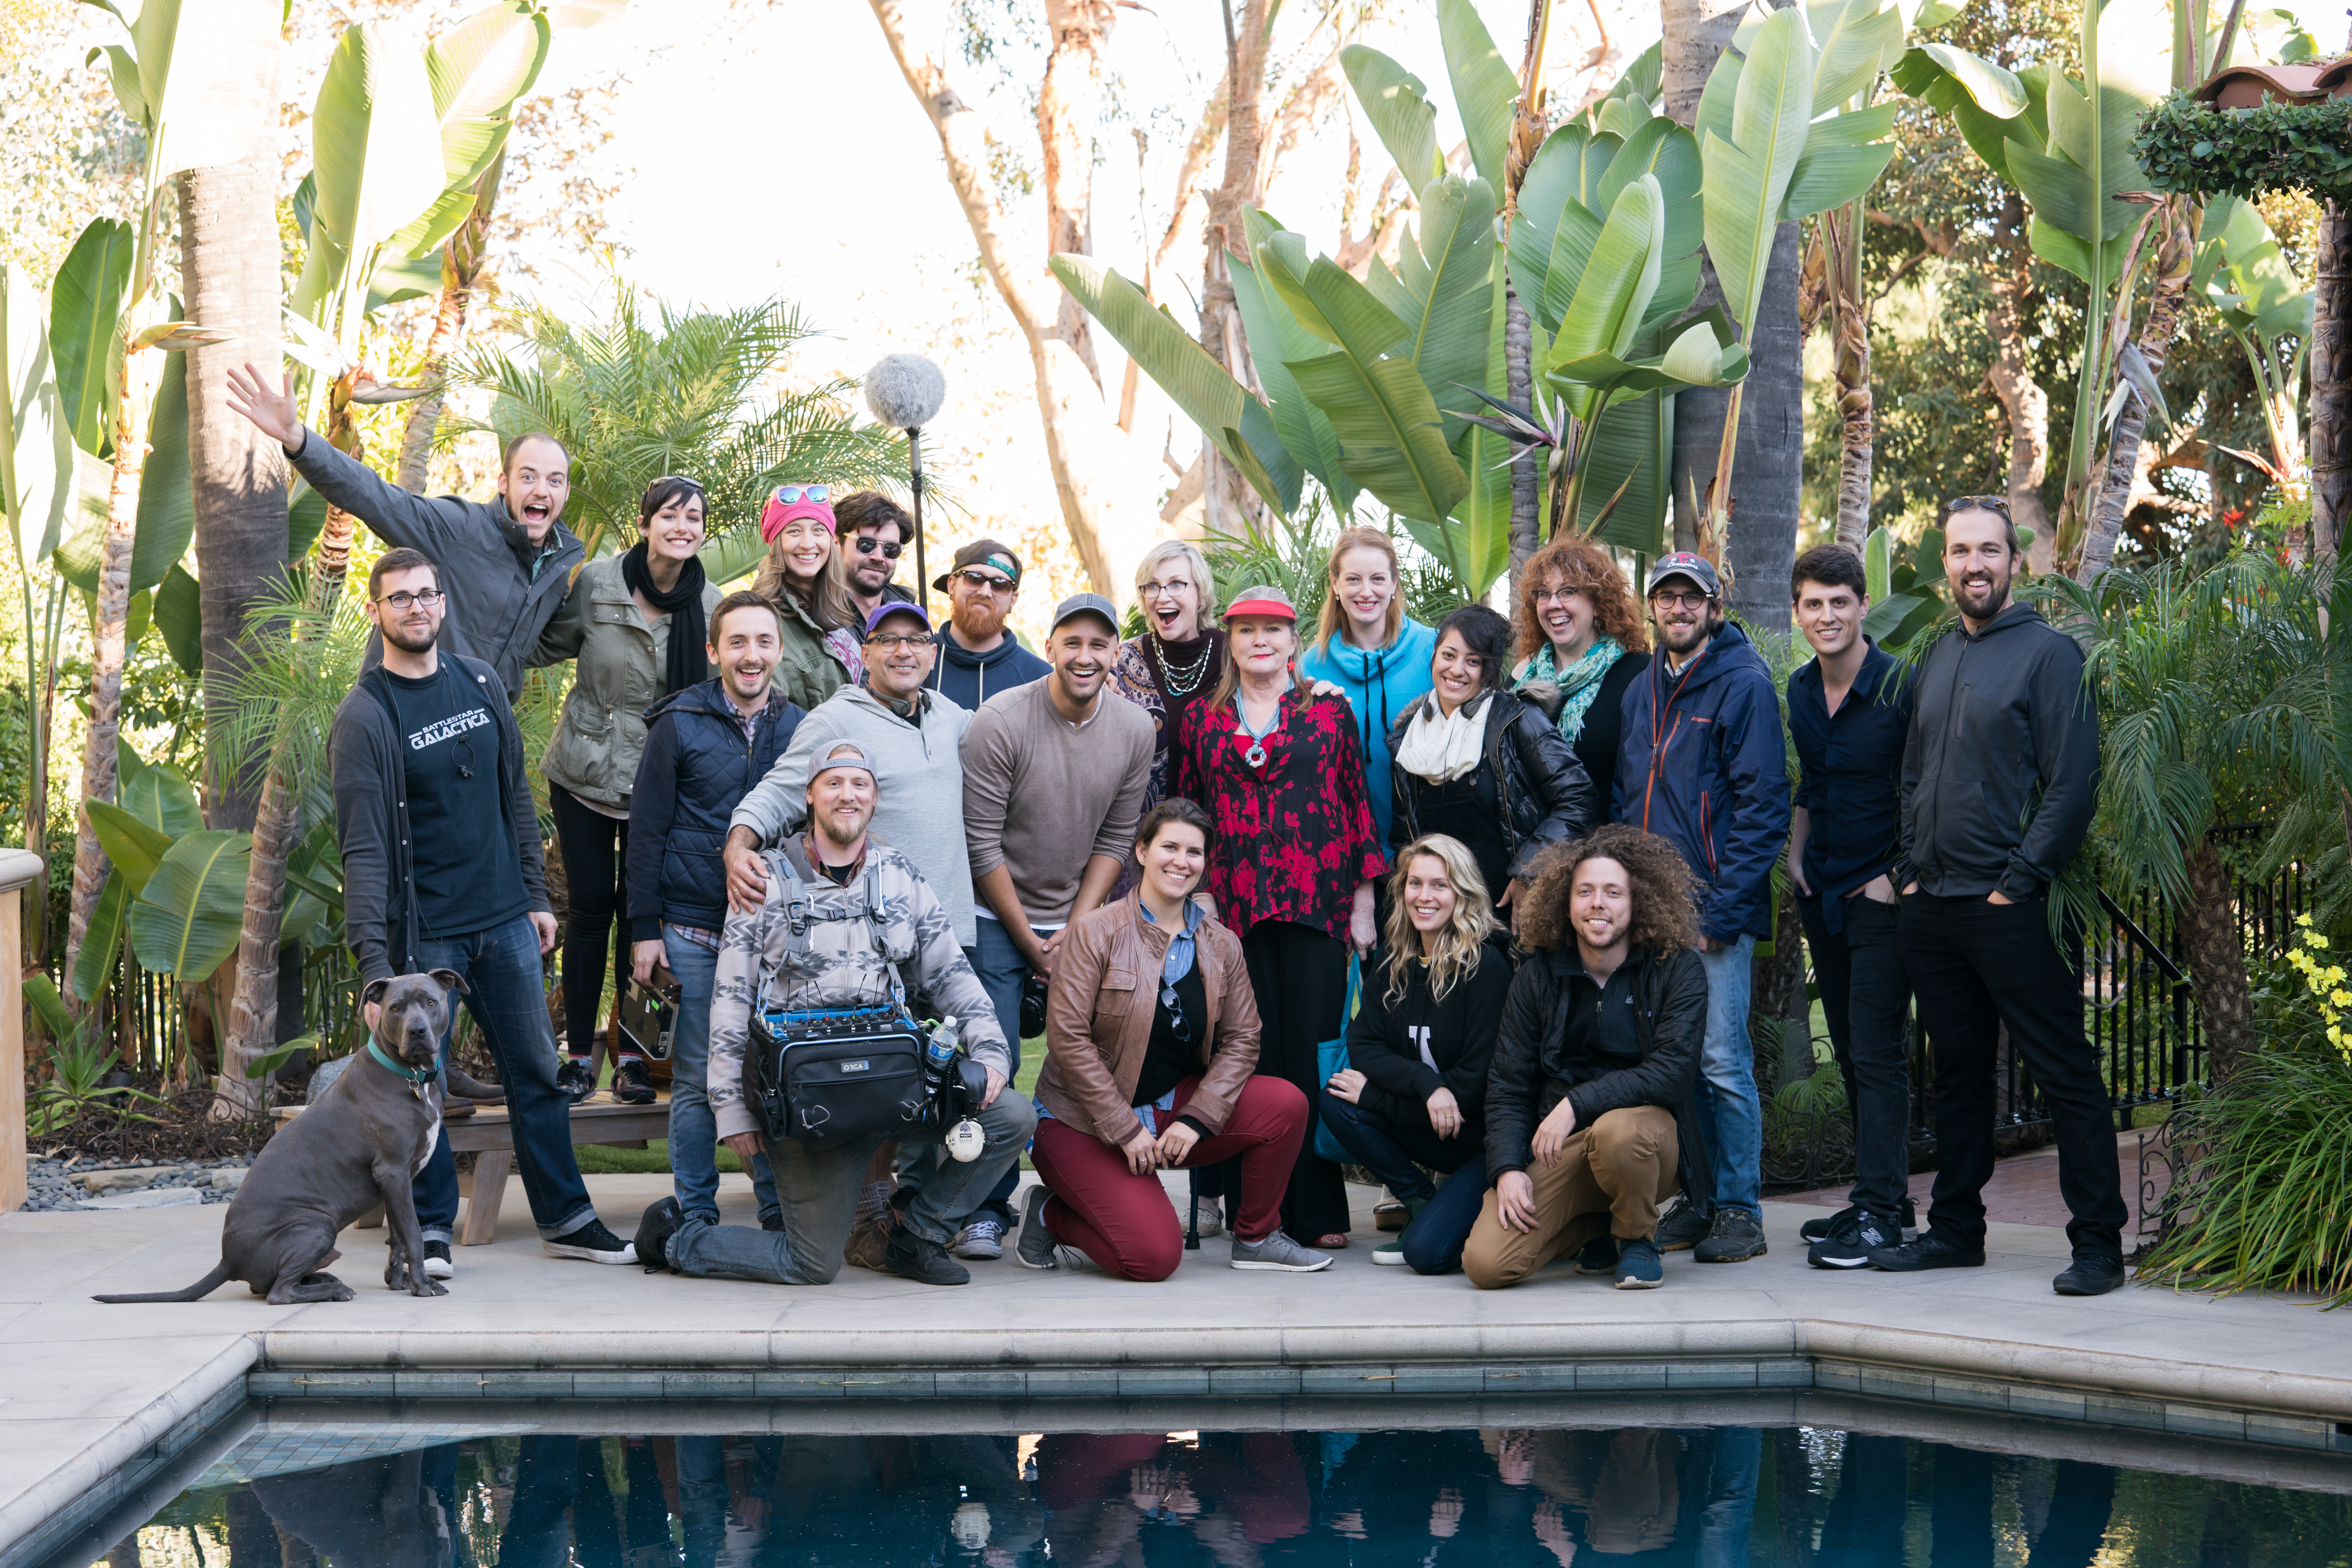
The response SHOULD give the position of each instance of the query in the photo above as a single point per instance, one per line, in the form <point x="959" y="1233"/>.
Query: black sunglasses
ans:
<point x="1976" y="503"/>
<point x="867" y="545"/>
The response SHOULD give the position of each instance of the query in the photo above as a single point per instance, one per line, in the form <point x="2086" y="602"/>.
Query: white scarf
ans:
<point x="1442" y="747"/>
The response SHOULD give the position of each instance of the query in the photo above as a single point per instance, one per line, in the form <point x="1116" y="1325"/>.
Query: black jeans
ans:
<point x="595" y="853"/>
<point x="1299" y="975"/>
<point x="1863" y="994"/>
<point x="1975" y="966"/>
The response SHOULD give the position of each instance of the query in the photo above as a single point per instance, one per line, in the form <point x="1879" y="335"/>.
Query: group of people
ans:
<point x="1519" y="865"/>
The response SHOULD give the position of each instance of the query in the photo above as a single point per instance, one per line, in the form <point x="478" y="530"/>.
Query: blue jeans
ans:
<point x="1396" y="1154"/>
<point x="1726" y="1083"/>
<point x="693" y="1129"/>
<point x="1003" y="973"/>
<point x="819" y="1189"/>
<point x="507" y="995"/>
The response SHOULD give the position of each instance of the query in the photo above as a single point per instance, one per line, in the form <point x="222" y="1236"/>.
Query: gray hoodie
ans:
<point x="920" y="806"/>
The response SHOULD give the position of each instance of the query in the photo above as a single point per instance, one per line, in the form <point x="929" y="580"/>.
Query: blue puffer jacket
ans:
<point x="1703" y="765"/>
<point x="697" y="764"/>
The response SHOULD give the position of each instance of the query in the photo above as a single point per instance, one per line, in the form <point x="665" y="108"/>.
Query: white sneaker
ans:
<point x="1210" y="1221"/>
<point x="1280" y="1253"/>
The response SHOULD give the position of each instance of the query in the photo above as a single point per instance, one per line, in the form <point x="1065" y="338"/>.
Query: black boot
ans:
<point x="660" y="1223"/>
<point x="911" y="1256"/>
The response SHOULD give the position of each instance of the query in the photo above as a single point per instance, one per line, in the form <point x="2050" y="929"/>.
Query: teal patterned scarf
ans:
<point x="1579" y="684"/>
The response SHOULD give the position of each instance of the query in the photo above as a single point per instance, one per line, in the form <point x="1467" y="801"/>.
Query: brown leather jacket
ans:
<point x="1098" y="1013"/>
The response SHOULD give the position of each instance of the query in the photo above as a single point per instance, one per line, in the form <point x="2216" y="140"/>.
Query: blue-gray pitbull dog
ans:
<point x="359" y="1146"/>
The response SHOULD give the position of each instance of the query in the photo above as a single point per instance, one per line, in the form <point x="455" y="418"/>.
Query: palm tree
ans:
<point x="643" y="393"/>
<point x="2174" y="653"/>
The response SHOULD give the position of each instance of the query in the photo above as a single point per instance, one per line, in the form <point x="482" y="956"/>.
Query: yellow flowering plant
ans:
<point x="2324" y="980"/>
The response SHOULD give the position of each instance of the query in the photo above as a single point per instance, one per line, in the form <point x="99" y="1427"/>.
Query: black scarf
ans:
<point x="689" y="665"/>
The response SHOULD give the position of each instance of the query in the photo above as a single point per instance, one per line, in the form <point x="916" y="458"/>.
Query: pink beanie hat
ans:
<point x="779" y="511"/>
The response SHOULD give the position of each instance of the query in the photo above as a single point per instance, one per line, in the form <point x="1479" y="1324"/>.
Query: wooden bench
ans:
<point x="488" y="1135"/>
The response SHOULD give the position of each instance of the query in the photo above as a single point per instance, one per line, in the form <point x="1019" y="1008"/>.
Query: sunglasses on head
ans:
<point x="867" y="545"/>
<point x="1976" y="503"/>
<point x="788" y="494"/>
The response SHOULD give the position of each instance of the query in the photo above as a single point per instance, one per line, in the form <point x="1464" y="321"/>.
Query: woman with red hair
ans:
<point x="1580" y="640"/>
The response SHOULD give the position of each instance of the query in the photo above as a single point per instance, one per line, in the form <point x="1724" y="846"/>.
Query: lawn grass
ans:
<point x="597" y="1160"/>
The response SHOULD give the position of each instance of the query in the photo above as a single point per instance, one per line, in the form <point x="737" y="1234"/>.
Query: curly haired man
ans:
<point x="1595" y="1065"/>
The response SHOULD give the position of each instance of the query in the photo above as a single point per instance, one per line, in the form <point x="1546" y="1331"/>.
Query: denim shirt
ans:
<point x="1174" y="967"/>
<point x="1850" y="776"/>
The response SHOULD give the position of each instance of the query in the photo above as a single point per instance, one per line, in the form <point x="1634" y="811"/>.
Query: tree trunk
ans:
<point x="229" y="224"/>
<point x="1065" y="122"/>
<point x="463" y="261"/>
<point x="1079" y="425"/>
<point x="1851" y="317"/>
<point x="2023" y="402"/>
<point x="1527" y="474"/>
<point x="132" y="410"/>
<point x="1226" y="495"/>
<point x="1769" y="440"/>
<point x="2331" y="385"/>
<point x="1769" y="449"/>
<point x="2217" y="963"/>
<point x="2169" y="291"/>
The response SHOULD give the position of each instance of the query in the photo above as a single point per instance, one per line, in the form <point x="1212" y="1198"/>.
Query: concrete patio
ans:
<point x="96" y="1399"/>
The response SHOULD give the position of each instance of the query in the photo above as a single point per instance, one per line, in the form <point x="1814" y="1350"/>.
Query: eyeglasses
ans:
<point x="1556" y="595"/>
<point x="891" y="642"/>
<point x="867" y="545"/>
<point x="1667" y="599"/>
<point x="1168" y="590"/>
<point x="404" y="601"/>
<point x="1976" y="503"/>
<point x="788" y="494"/>
<point x="987" y="580"/>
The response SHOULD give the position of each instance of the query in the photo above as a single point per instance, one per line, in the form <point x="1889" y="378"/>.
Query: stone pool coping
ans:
<point x="94" y="1401"/>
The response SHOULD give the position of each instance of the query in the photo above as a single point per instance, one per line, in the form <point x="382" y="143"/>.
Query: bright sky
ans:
<point x="780" y="152"/>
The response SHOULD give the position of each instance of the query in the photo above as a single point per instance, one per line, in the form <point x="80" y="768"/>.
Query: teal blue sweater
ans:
<point x="1379" y="685"/>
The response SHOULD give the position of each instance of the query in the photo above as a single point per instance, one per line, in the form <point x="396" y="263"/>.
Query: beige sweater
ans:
<point x="1043" y="795"/>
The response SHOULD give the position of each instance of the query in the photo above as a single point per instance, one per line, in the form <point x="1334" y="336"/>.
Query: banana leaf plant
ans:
<point x="2063" y="140"/>
<point x="1773" y="151"/>
<point x="2241" y="274"/>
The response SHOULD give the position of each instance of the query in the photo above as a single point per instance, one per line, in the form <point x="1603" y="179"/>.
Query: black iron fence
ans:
<point x="2138" y="1007"/>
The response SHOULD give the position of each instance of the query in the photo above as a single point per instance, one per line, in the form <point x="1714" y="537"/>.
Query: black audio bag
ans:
<point x="832" y="1076"/>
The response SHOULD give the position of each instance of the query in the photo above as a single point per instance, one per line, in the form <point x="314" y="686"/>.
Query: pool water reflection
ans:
<point x="1509" y="1498"/>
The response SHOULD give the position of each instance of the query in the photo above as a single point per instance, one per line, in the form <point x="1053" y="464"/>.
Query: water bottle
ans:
<point x="964" y="1140"/>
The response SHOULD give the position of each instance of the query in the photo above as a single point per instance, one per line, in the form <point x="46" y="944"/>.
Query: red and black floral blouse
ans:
<point x="1294" y="834"/>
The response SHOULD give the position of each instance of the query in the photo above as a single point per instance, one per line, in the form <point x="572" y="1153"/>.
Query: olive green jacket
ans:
<point x="620" y="673"/>
<point x="808" y="670"/>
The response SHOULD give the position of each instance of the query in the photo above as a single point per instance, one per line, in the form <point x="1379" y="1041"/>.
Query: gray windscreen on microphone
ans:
<point x="905" y="390"/>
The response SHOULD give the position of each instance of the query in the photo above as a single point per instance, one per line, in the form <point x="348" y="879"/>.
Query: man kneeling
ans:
<point x="1598" y="1055"/>
<point x="847" y="922"/>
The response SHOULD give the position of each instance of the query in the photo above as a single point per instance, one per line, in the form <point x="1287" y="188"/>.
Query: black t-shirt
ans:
<point x="468" y="867"/>
<point x="1169" y="1061"/>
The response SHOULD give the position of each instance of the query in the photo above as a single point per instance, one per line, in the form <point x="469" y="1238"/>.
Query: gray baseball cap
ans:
<point x="844" y="755"/>
<point x="1683" y="563"/>
<point x="1086" y="604"/>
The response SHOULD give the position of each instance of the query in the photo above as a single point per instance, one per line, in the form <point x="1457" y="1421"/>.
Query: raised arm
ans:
<point x="392" y="513"/>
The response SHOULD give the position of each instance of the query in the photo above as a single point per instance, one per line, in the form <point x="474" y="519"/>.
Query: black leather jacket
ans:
<point x="1532" y="1073"/>
<point x="1546" y="795"/>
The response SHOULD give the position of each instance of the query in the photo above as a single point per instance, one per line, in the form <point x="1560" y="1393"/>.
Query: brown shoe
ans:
<point x="870" y="1242"/>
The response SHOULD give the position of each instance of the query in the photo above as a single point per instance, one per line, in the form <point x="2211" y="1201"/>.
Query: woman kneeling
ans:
<point x="1598" y="1058"/>
<point x="1152" y="1033"/>
<point x="1414" y="1093"/>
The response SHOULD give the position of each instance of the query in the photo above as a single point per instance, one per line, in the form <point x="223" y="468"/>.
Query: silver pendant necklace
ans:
<point x="1183" y="682"/>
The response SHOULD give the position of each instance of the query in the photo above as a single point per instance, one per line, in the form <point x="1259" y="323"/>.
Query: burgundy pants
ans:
<point x="1125" y="1223"/>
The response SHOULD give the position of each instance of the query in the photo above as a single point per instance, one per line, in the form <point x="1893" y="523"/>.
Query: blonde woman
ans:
<point x="1365" y="646"/>
<point x="1412" y="1099"/>
<point x="803" y="575"/>
<point x="1180" y="658"/>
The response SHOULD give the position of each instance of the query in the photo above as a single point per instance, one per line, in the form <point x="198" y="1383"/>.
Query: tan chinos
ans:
<point x="1613" y="1173"/>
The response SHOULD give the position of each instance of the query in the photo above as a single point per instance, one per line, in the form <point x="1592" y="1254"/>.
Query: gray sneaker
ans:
<point x="1035" y="1244"/>
<point x="1278" y="1252"/>
<point x="982" y="1239"/>
<point x="1736" y="1237"/>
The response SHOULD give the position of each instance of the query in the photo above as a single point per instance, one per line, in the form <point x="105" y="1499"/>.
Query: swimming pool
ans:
<point x="982" y="1485"/>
